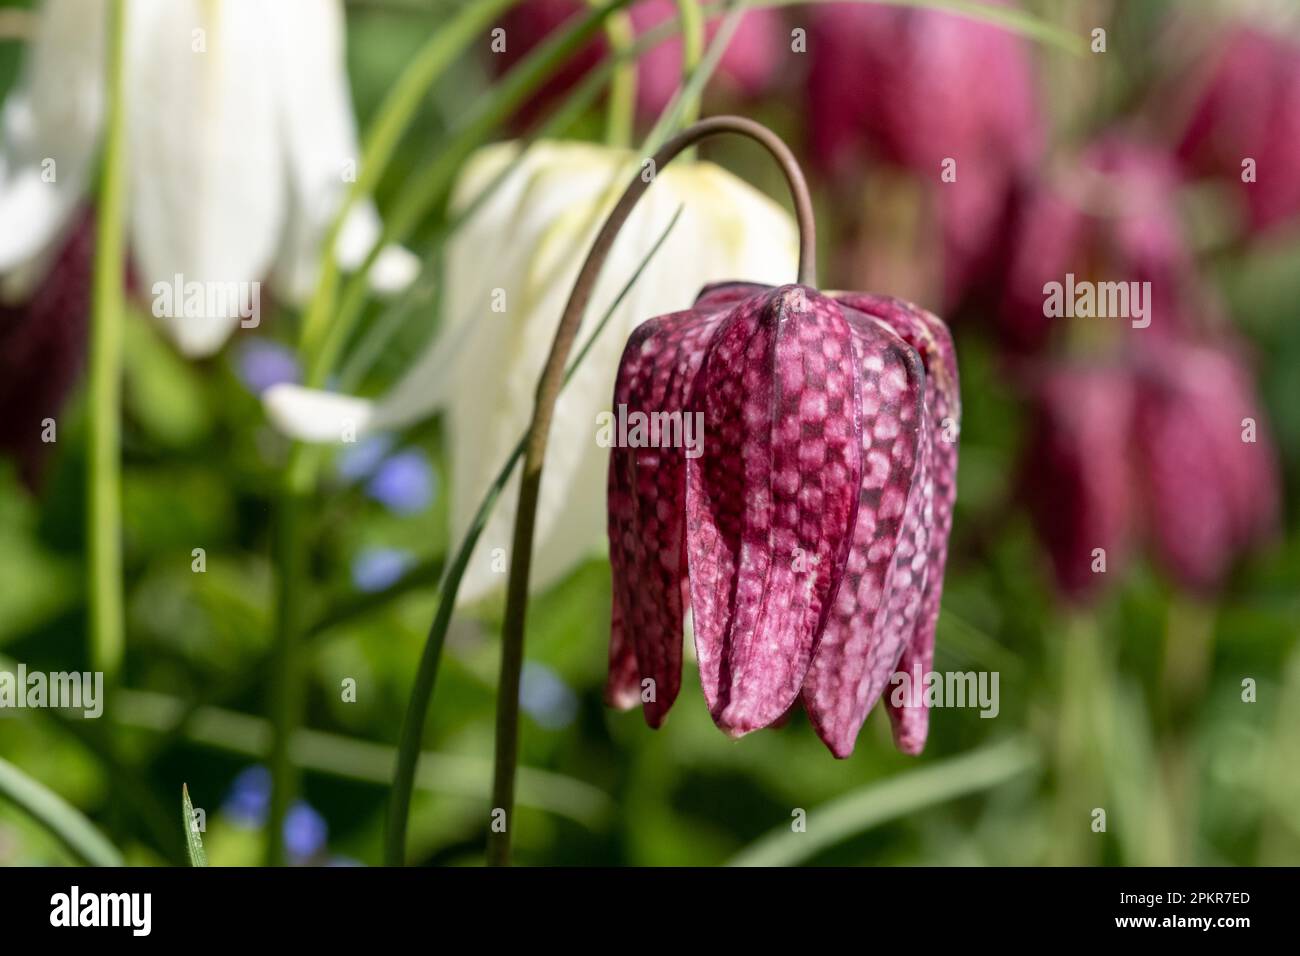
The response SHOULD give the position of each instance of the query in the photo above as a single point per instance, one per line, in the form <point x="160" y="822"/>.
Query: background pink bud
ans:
<point x="915" y="88"/>
<point x="1250" y="108"/>
<point x="1210" y="495"/>
<point x="1109" y="216"/>
<point x="747" y="66"/>
<point x="1077" y="473"/>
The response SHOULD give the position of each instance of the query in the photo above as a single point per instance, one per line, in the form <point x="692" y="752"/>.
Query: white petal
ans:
<point x="320" y="140"/>
<point x="51" y="123"/>
<point x="727" y="231"/>
<point x="394" y="269"/>
<point x="208" y="184"/>
<point x="317" y="416"/>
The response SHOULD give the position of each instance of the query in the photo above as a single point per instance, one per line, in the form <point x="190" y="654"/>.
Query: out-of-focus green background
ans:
<point x="1134" y="705"/>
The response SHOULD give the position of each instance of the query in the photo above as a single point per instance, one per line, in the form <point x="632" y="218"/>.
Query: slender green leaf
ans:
<point x="347" y="758"/>
<point x="859" y="811"/>
<point x="193" y="842"/>
<point x="56" y="815"/>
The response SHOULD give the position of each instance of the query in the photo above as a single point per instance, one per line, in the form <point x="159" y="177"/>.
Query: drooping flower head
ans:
<point x="808" y="532"/>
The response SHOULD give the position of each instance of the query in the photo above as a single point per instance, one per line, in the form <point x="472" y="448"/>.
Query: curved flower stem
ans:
<point x="104" y="484"/>
<point x="548" y="391"/>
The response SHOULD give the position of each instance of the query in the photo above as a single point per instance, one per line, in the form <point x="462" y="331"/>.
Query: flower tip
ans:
<point x="911" y="746"/>
<point x="394" y="270"/>
<point x="623" y="699"/>
<point x="312" y="415"/>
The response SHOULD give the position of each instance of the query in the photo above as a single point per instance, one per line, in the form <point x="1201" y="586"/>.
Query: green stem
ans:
<point x="692" y="51"/>
<point x="287" y="667"/>
<point x="104" y="481"/>
<point x="621" y="112"/>
<point x="548" y="393"/>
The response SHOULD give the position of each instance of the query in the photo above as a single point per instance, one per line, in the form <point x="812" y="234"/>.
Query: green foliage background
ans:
<point x="1136" y="708"/>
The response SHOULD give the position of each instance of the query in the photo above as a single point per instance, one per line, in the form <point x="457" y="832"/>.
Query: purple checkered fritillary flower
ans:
<point x="809" y="535"/>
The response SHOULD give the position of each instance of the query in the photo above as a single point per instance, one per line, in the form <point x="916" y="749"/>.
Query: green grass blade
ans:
<point x="193" y="842"/>
<point x="58" y="817"/>
<point x="909" y="792"/>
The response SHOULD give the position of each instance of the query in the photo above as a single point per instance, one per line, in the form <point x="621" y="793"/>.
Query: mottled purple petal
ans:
<point x="857" y="651"/>
<point x="647" y="517"/>
<point x="771" y="502"/>
<point x="929" y="336"/>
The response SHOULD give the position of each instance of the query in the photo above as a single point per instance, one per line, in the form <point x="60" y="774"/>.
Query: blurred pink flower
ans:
<point x="1078" y="485"/>
<point x="43" y="348"/>
<point x="1111" y="216"/>
<point x="1250" y="108"/>
<point x="915" y="88"/>
<point x="1210" y="494"/>
<point x="747" y="65"/>
<point x="1171" y="444"/>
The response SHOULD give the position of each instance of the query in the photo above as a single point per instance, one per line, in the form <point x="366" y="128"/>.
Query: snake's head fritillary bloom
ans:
<point x="806" y="528"/>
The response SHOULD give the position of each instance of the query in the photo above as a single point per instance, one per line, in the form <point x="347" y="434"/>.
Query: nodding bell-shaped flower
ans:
<point x="807" y="531"/>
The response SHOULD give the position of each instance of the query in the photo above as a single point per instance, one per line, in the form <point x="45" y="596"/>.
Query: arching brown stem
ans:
<point x="548" y="392"/>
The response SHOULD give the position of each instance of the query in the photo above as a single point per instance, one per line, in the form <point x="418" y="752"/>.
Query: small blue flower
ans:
<point x="249" y="799"/>
<point x="377" y="568"/>
<point x="361" y="459"/>
<point x="403" y="483"/>
<point x="261" y="363"/>
<point x="545" y="697"/>
<point x="305" y="832"/>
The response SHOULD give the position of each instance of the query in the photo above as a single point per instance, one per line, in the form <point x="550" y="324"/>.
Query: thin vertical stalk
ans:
<point x="692" y="51"/>
<point x="548" y="391"/>
<point x="286" y="670"/>
<point x="620" y="115"/>
<point x="104" y="478"/>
